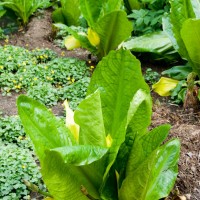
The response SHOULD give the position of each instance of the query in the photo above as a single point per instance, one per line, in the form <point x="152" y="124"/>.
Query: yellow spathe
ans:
<point x="164" y="86"/>
<point x="70" y="123"/>
<point x="93" y="37"/>
<point x="72" y="43"/>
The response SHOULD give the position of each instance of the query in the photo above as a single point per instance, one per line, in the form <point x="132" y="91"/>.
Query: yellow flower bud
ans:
<point x="93" y="37"/>
<point x="72" y="43"/>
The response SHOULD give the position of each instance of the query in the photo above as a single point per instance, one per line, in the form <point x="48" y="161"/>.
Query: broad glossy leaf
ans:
<point x="90" y="119"/>
<point x="44" y="129"/>
<point x="118" y="77"/>
<point x="71" y="12"/>
<point x="113" y="28"/>
<point x="80" y="155"/>
<point x="178" y="72"/>
<point x="190" y="34"/>
<point x="155" y="177"/>
<point x="144" y="145"/>
<point x="91" y="10"/>
<point x="157" y="42"/>
<point x="139" y="113"/>
<point x="65" y="181"/>
<point x="111" y="5"/>
<point x="180" y="11"/>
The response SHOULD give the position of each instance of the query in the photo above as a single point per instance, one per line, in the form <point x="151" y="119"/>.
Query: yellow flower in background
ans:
<point x="93" y="37"/>
<point x="70" y="123"/>
<point x="35" y="79"/>
<point x="164" y="86"/>
<point x="71" y="43"/>
<point x="62" y="53"/>
<point x="6" y="40"/>
<point x="73" y="80"/>
<point x="1" y="67"/>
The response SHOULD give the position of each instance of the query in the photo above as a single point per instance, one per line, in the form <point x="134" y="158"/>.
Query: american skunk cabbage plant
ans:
<point x="108" y="26"/>
<point x="24" y="8"/>
<point x="183" y="28"/>
<point x="106" y="152"/>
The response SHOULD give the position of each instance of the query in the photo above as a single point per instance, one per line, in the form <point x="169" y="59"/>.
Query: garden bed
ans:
<point x="185" y="123"/>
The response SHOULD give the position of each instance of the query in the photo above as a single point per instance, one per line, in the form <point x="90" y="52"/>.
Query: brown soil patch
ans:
<point x="185" y="124"/>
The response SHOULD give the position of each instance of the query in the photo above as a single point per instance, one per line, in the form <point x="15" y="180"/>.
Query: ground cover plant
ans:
<point x="43" y="75"/>
<point x="119" y="132"/>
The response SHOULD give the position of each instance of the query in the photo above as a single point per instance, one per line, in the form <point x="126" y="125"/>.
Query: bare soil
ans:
<point x="185" y="123"/>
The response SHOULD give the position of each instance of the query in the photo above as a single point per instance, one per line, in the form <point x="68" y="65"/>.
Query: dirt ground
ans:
<point x="185" y="124"/>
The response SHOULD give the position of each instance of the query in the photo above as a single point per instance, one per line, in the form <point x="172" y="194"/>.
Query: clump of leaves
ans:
<point x="151" y="76"/>
<point x="17" y="164"/>
<point x="106" y="145"/>
<point x="146" y="21"/>
<point x="24" y="8"/>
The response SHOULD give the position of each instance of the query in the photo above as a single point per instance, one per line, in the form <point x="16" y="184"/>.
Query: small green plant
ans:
<point x="106" y="151"/>
<point x="17" y="164"/>
<point x="151" y="76"/>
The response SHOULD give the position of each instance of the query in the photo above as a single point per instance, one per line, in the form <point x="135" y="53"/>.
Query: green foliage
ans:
<point x="43" y="75"/>
<point x="180" y="25"/>
<point x="24" y="8"/>
<point x="11" y="131"/>
<point x="68" y="14"/>
<point x="157" y="45"/>
<point x="118" y="106"/>
<point x="151" y="76"/>
<point x="146" y="21"/>
<point x="17" y="164"/>
<point x="108" y="22"/>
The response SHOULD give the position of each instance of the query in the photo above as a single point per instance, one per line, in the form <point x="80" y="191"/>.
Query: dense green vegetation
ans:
<point x="105" y="143"/>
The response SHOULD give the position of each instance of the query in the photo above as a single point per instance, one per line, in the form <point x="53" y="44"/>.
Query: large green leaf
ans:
<point x="64" y="181"/>
<point x="81" y="154"/>
<point x="118" y="77"/>
<point x="157" y="42"/>
<point x="180" y="11"/>
<point x="44" y="129"/>
<point x="139" y="113"/>
<point x="113" y="28"/>
<point x="71" y="12"/>
<point x="111" y="5"/>
<point x="190" y="34"/>
<point x="145" y="145"/>
<point x="90" y="119"/>
<point x="153" y="178"/>
<point x="91" y="10"/>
